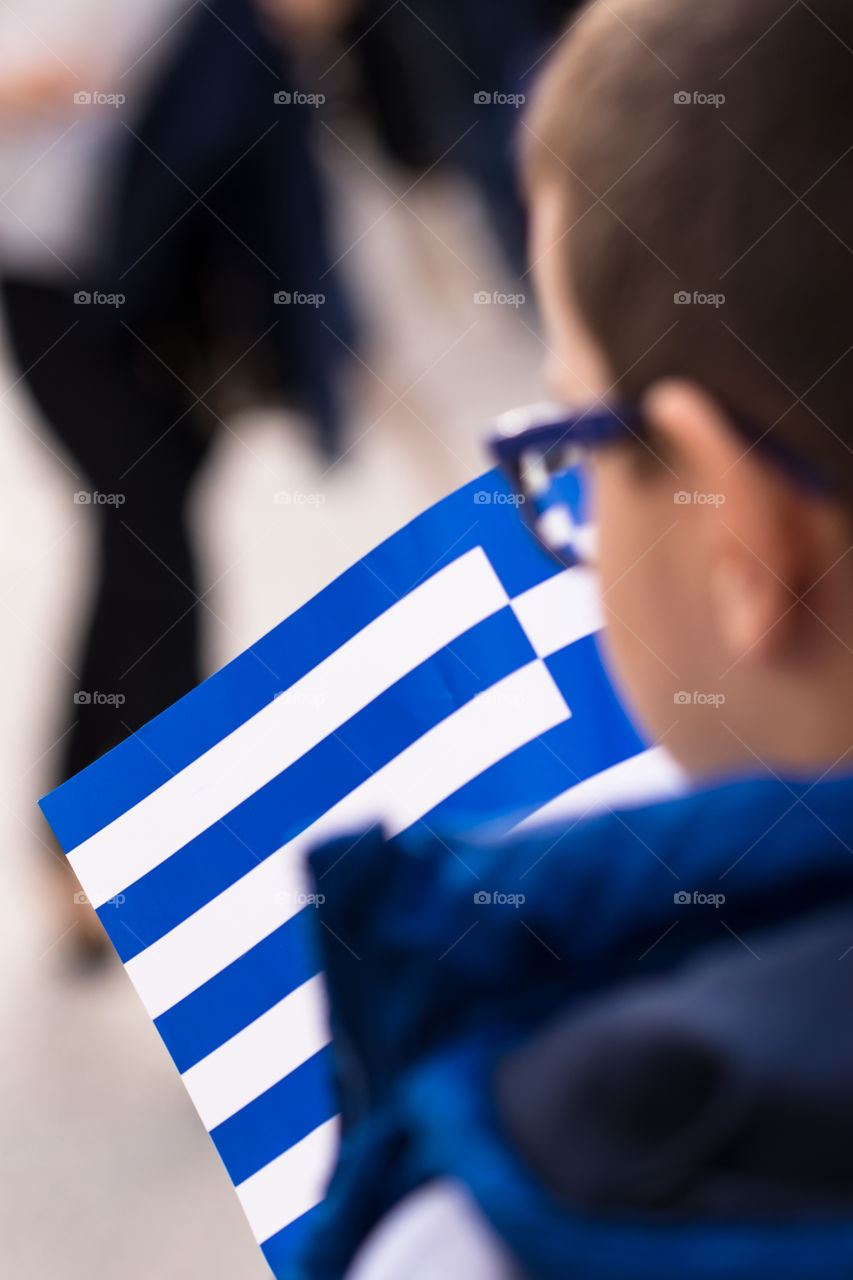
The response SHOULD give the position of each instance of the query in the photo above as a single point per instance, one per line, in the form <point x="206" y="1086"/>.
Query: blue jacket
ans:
<point x="432" y="985"/>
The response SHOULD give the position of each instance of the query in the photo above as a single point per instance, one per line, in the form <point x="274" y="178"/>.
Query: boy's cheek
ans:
<point x="660" y="635"/>
<point x="626" y="513"/>
<point x="640" y="573"/>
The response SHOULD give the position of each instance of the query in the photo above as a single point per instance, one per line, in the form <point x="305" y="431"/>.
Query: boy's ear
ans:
<point x="747" y="528"/>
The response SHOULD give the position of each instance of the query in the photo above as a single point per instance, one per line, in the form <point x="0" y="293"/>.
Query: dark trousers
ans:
<point x="135" y="449"/>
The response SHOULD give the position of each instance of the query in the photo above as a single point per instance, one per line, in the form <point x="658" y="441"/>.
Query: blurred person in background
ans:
<point x="158" y="204"/>
<point x="440" y="82"/>
<point x="443" y="81"/>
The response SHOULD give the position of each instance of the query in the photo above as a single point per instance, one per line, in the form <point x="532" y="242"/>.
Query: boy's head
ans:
<point x="690" y="175"/>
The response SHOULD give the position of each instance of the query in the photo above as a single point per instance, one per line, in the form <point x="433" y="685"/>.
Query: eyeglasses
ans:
<point x="542" y="449"/>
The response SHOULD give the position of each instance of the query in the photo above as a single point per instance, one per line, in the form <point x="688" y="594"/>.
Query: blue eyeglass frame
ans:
<point x="544" y="427"/>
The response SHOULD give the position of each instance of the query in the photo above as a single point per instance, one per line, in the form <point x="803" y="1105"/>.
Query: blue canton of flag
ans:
<point x="450" y="677"/>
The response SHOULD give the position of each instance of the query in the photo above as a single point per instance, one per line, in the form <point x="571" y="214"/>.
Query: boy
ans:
<point x="647" y="1071"/>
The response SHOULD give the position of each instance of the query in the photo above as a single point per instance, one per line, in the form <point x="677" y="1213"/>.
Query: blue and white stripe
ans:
<point x="452" y="675"/>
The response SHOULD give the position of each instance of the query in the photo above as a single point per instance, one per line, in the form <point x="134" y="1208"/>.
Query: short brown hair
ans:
<point x="706" y="149"/>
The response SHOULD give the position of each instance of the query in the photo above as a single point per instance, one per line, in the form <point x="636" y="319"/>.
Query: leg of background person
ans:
<point x="137" y="454"/>
<point x="142" y="643"/>
<point x="140" y="453"/>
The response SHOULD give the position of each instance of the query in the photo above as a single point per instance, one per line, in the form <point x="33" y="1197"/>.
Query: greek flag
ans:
<point x="451" y="677"/>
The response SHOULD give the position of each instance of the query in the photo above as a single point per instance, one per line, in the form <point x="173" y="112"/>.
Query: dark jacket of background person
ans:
<point x="220" y="226"/>
<point x="628" y="1084"/>
<point x="430" y="73"/>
